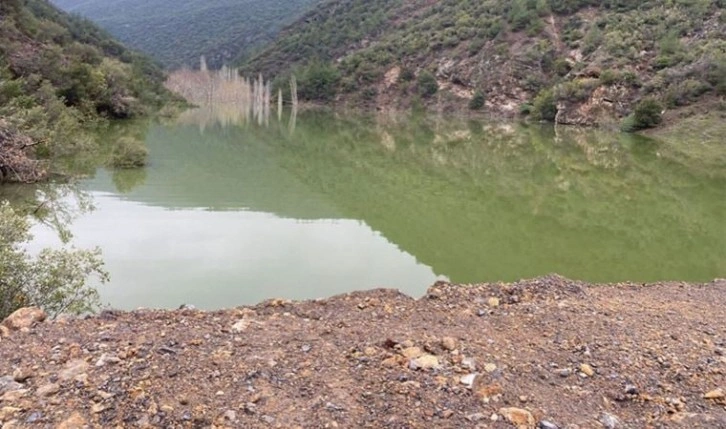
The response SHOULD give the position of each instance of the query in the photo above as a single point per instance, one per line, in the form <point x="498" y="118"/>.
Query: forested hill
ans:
<point x="58" y="74"/>
<point x="574" y="61"/>
<point x="178" y="32"/>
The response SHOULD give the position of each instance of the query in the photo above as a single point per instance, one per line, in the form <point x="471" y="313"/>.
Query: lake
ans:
<point x="231" y="211"/>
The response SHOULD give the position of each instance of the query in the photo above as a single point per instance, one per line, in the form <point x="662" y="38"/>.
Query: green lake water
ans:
<point x="230" y="213"/>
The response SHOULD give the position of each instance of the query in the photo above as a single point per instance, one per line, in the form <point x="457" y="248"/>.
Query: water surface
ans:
<point x="230" y="213"/>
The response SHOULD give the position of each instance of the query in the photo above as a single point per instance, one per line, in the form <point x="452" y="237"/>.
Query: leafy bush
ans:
<point x="55" y="280"/>
<point x="647" y="114"/>
<point x="426" y="84"/>
<point x="685" y="92"/>
<point x="544" y="107"/>
<point x="319" y="82"/>
<point x="477" y="101"/>
<point x="129" y="153"/>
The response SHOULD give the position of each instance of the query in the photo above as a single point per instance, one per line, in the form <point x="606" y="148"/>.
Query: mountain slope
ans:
<point x="58" y="76"/>
<point x="178" y="32"/>
<point x="574" y="61"/>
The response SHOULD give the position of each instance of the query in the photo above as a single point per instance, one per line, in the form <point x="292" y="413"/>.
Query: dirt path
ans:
<point x="542" y="353"/>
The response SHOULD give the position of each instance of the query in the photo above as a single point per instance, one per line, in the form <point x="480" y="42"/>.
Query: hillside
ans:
<point x="60" y="75"/>
<point x="573" y="61"/>
<point x="177" y="32"/>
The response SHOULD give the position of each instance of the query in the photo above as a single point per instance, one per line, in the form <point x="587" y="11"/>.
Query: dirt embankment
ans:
<point x="547" y="353"/>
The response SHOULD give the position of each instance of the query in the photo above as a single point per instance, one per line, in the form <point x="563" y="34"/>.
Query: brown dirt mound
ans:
<point x="546" y="353"/>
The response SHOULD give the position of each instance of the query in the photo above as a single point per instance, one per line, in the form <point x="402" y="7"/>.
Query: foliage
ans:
<point x="129" y="152"/>
<point x="477" y="101"/>
<point x="55" y="280"/>
<point x="221" y="30"/>
<point x="318" y="82"/>
<point x="647" y="114"/>
<point x="426" y="84"/>
<point x="544" y="107"/>
<point x="59" y="77"/>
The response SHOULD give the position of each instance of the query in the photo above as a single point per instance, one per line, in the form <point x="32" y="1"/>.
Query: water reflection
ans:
<point x="229" y="212"/>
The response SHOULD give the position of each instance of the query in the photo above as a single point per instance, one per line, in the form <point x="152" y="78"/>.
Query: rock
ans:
<point x="424" y="362"/>
<point x="447" y="413"/>
<point x="230" y="415"/>
<point x="485" y="393"/>
<point x="13" y="395"/>
<point x="21" y="375"/>
<point x="268" y="419"/>
<point x="73" y="369"/>
<point x="490" y="367"/>
<point x="370" y="351"/>
<point x="448" y="343"/>
<point x="98" y="408"/>
<point x="468" y="380"/>
<point x="631" y="389"/>
<point x="609" y="421"/>
<point x="240" y="325"/>
<point x="406" y="344"/>
<point x="24" y="318"/>
<point x="587" y="370"/>
<point x="493" y="302"/>
<point x="7" y="412"/>
<point x="544" y="424"/>
<point x="519" y="417"/>
<point x="565" y="372"/>
<point x="469" y="363"/>
<point x="34" y="417"/>
<point x="476" y="417"/>
<point x="49" y="389"/>
<point x="107" y="358"/>
<point x="75" y="421"/>
<point x="412" y="352"/>
<point x="8" y="384"/>
<point x="4" y="331"/>
<point x="715" y="394"/>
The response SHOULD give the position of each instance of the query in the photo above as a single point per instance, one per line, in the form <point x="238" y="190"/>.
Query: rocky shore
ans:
<point x="544" y="353"/>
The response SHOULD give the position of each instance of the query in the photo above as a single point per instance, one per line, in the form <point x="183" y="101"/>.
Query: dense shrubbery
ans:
<point x="59" y="76"/>
<point x="55" y="280"/>
<point x="647" y="114"/>
<point x="426" y="84"/>
<point x="477" y="101"/>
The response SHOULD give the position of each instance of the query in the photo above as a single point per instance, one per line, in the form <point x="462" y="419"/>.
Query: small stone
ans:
<point x="75" y="421"/>
<point x="469" y="363"/>
<point x="73" y="369"/>
<point x="369" y="351"/>
<point x="106" y="359"/>
<point x="715" y="394"/>
<point x="490" y="367"/>
<point x="609" y="421"/>
<point x="24" y="318"/>
<point x="476" y="417"/>
<point x="544" y="424"/>
<point x="631" y="389"/>
<point x="7" y="412"/>
<point x="98" y="408"/>
<point x="250" y="408"/>
<point x="468" y="380"/>
<point x="424" y="362"/>
<point x="4" y="331"/>
<point x="523" y="398"/>
<point x="33" y="417"/>
<point x="411" y="352"/>
<point x="448" y="343"/>
<point x="481" y="313"/>
<point x="587" y="370"/>
<point x="407" y="343"/>
<point x="485" y="393"/>
<point x="240" y="325"/>
<point x="8" y="384"/>
<point x="13" y="395"/>
<point x="519" y="417"/>
<point x="230" y="415"/>
<point x="565" y="372"/>
<point x="447" y="413"/>
<point x="21" y="375"/>
<point x="493" y="302"/>
<point x="306" y="348"/>
<point x="48" y="390"/>
<point x="268" y="419"/>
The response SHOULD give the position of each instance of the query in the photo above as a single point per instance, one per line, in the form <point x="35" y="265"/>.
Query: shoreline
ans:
<point x="546" y="352"/>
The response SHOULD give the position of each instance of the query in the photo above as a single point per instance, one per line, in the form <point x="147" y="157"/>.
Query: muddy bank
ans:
<point x="542" y="353"/>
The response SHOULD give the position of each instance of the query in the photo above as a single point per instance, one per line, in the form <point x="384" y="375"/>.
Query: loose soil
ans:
<point x="547" y="353"/>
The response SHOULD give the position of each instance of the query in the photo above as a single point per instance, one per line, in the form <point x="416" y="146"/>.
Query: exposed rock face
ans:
<point x="606" y="105"/>
<point x="24" y="318"/>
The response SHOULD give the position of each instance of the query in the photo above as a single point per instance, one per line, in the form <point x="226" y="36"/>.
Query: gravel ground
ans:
<point x="543" y="353"/>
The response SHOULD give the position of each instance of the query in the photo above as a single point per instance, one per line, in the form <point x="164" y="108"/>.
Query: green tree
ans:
<point x="647" y="114"/>
<point x="477" y="101"/>
<point x="426" y="84"/>
<point x="319" y="82"/>
<point x="55" y="280"/>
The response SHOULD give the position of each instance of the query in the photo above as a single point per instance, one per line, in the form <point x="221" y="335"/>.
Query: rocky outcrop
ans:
<point x="606" y="105"/>
<point x="23" y="318"/>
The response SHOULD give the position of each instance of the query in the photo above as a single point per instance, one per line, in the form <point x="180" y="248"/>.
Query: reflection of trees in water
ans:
<point x="126" y="180"/>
